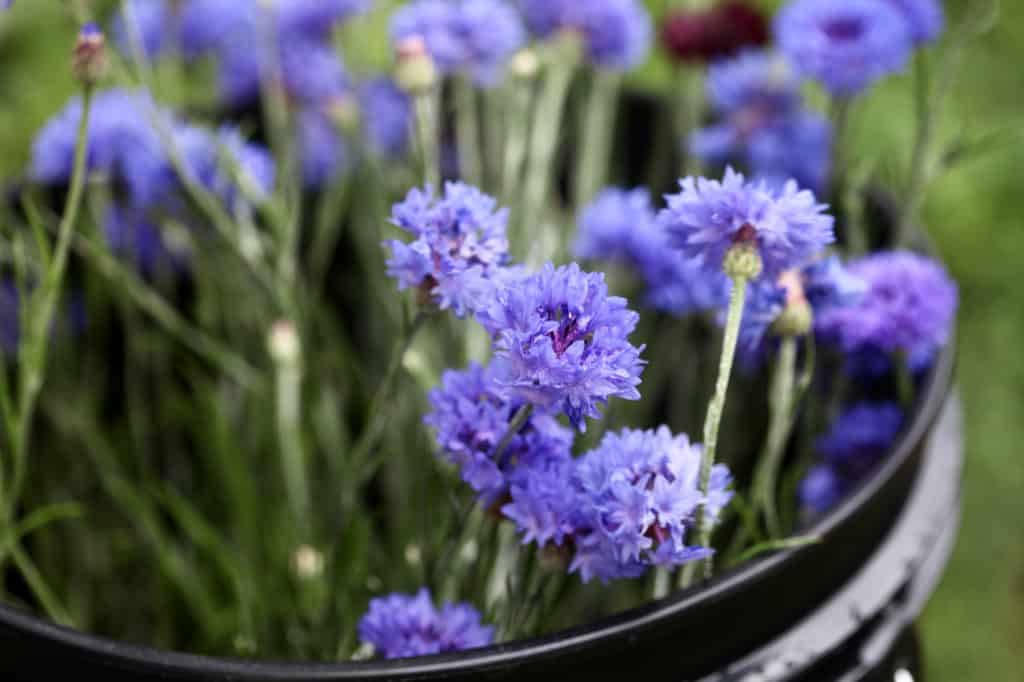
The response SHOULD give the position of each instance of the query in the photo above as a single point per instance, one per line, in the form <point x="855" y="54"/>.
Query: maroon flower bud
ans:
<point x="89" y="61"/>
<point x="719" y="32"/>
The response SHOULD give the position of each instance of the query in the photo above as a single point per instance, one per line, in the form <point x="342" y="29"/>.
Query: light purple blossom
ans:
<point x="403" y="626"/>
<point x="616" y="34"/>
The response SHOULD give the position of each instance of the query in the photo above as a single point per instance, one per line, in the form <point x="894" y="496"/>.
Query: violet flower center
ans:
<point x="845" y="28"/>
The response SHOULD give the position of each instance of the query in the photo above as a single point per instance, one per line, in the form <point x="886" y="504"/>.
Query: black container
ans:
<point x="841" y="609"/>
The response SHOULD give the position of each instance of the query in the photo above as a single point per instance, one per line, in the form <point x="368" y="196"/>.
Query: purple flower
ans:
<point x="637" y="502"/>
<point x="827" y="283"/>
<point x="403" y="626"/>
<point x="154" y="27"/>
<point x="475" y="37"/>
<point x="766" y="299"/>
<point x="459" y="245"/>
<point x="321" y="148"/>
<point x="544" y="501"/>
<point x="216" y="161"/>
<point x="759" y="83"/>
<point x="469" y="418"/>
<point x="707" y="218"/>
<point x="621" y="226"/>
<point x="311" y="72"/>
<point x="386" y="115"/>
<point x="853" y="446"/>
<point x="845" y="44"/>
<point x="908" y="308"/>
<point x="925" y="17"/>
<point x="616" y="34"/>
<point x="123" y="145"/>
<point x="315" y="19"/>
<point x="561" y="342"/>
<point x="134" y="236"/>
<point x="212" y="25"/>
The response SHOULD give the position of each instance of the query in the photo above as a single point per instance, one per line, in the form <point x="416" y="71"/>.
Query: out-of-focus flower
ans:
<point x="562" y="343"/>
<point x="925" y="17"/>
<point x="908" y="308"/>
<point x="616" y="34"/>
<point x="846" y="45"/>
<point x="459" y="244"/>
<point x="721" y="31"/>
<point x="403" y="626"/>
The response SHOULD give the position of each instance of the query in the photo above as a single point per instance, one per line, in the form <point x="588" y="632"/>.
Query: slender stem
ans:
<point x="517" y="137"/>
<point x="595" y="146"/>
<point x="688" y="112"/>
<point x="922" y="140"/>
<point x="428" y="135"/>
<point x="379" y="415"/>
<point x="519" y="420"/>
<point x="467" y="129"/>
<point x="40" y="589"/>
<point x="293" y="455"/>
<point x="782" y="402"/>
<point x="713" y="421"/>
<point x="547" y="118"/>
<point x="33" y="352"/>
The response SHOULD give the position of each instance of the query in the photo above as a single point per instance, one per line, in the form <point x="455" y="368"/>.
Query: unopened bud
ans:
<point x="525" y="65"/>
<point x="283" y="343"/>
<point x="415" y="71"/>
<point x="796" y="319"/>
<point x="743" y="261"/>
<point x="89" y="61"/>
<point x="307" y="562"/>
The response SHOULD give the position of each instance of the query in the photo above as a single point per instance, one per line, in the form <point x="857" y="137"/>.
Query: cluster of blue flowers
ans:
<point x="616" y="34"/>
<point x="403" y="626"/>
<point x="286" y="45"/>
<point x="847" y="45"/>
<point x="471" y="37"/>
<point x="853" y="446"/>
<point x="133" y="143"/>
<point x="763" y="123"/>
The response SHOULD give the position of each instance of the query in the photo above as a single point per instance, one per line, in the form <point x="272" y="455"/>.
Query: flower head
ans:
<point x="386" y="115"/>
<point x="616" y="34"/>
<point x="218" y="161"/>
<point x="845" y="44"/>
<point x="403" y="626"/>
<point x="721" y="31"/>
<point x="562" y="343"/>
<point x="638" y="499"/>
<point x="707" y="218"/>
<point x="470" y="417"/>
<point x="757" y="82"/>
<point x="475" y="37"/>
<point x="908" y="307"/>
<point x="459" y="244"/>
<point x="925" y="17"/>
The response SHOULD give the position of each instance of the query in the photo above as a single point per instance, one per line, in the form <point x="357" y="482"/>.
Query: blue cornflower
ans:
<point x="217" y="161"/>
<point x="403" y="626"/>
<point x="311" y="72"/>
<point x="908" y="308"/>
<point x="621" y="226"/>
<point x="756" y="83"/>
<point x="707" y="218"/>
<point x="476" y="37"/>
<point x="853" y="446"/>
<point x="828" y="283"/>
<point x="322" y="150"/>
<point x="459" y="245"/>
<point x="386" y="115"/>
<point x="562" y="343"/>
<point x="616" y="34"/>
<point x="925" y="17"/>
<point x="469" y="417"/>
<point x="316" y="18"/>
<point x="846" y="45"/>
<point x="123" y="145"/>
<point x="637" y="501"/>
<point x="212" y="25"/>
<point x="544" y="501"/>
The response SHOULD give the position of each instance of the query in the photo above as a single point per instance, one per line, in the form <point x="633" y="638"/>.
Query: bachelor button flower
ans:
<point x="908" y="308"/>
<point x="562" y="343"/>
<point x="476" y="37"/>
<point x="855" y="444"/>
<point x="403" y="626"/>
<point x="616" y="34"/>
<point x="213" y="25"/>
<point x="707" y="218"/>
<point x="123" y="145"/>
<point x="149" y="22"/>
<point x="758" y="83"/>
<point x="798" y="148"/>
<point x="311" y="72"/>
<point x="845" y="44"/>
<point x="321" y="148"/>
<point x="721" y="31"/>
<point x="544" y="504"/>
<point x="925" y="17"/>
<point x="638" y="499"/>
<point x="621" y="226"/>
<point x="469" y="418"/>
<point x="459" y="244"/>
<point x="315" y="19"/>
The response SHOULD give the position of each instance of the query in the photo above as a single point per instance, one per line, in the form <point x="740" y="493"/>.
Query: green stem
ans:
<point x="547" y="118"/>
<point x="688" y="112"/>
<point x="428" y="135"/>
<point x="782" y="402"/>
<point x="517" y="138"/>
<point x="713" y="421"/>
<point x="919" y="161"/>
<point x="467" y="129"/>
<point x="40" y="589"/>
<point x="595" y="146"/>
<point x="33" y="352"/>
<point x="293" y="456"/>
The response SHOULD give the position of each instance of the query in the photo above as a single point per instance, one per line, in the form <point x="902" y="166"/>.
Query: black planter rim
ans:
<point x="146" y="659"/>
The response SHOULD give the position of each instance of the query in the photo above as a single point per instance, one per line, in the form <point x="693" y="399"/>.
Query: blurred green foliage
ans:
<point x="974" y="627"/>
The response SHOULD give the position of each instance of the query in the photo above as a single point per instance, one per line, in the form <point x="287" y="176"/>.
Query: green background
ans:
<point x="974" y="627"/>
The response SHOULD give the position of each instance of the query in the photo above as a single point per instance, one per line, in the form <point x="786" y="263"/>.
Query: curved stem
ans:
<point x="467" y="130"/>
<point x="782" y="402"/>
<point x="595" y="145"/>
<point x="713" y="421"/>
<point x="428" y="134"/>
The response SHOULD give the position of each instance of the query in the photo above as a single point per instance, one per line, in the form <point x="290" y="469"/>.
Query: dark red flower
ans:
<point x="719" y="32"/>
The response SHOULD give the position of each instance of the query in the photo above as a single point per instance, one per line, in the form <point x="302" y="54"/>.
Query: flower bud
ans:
<point x="525" y="65"/>
<point x="743" y="260"/>
<point x="415" y="72"/>
<point x="89" y="61"/>
<point x="283" y="343"/>
<point x="307" y="562"/>
<point x="796" y="319"/>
